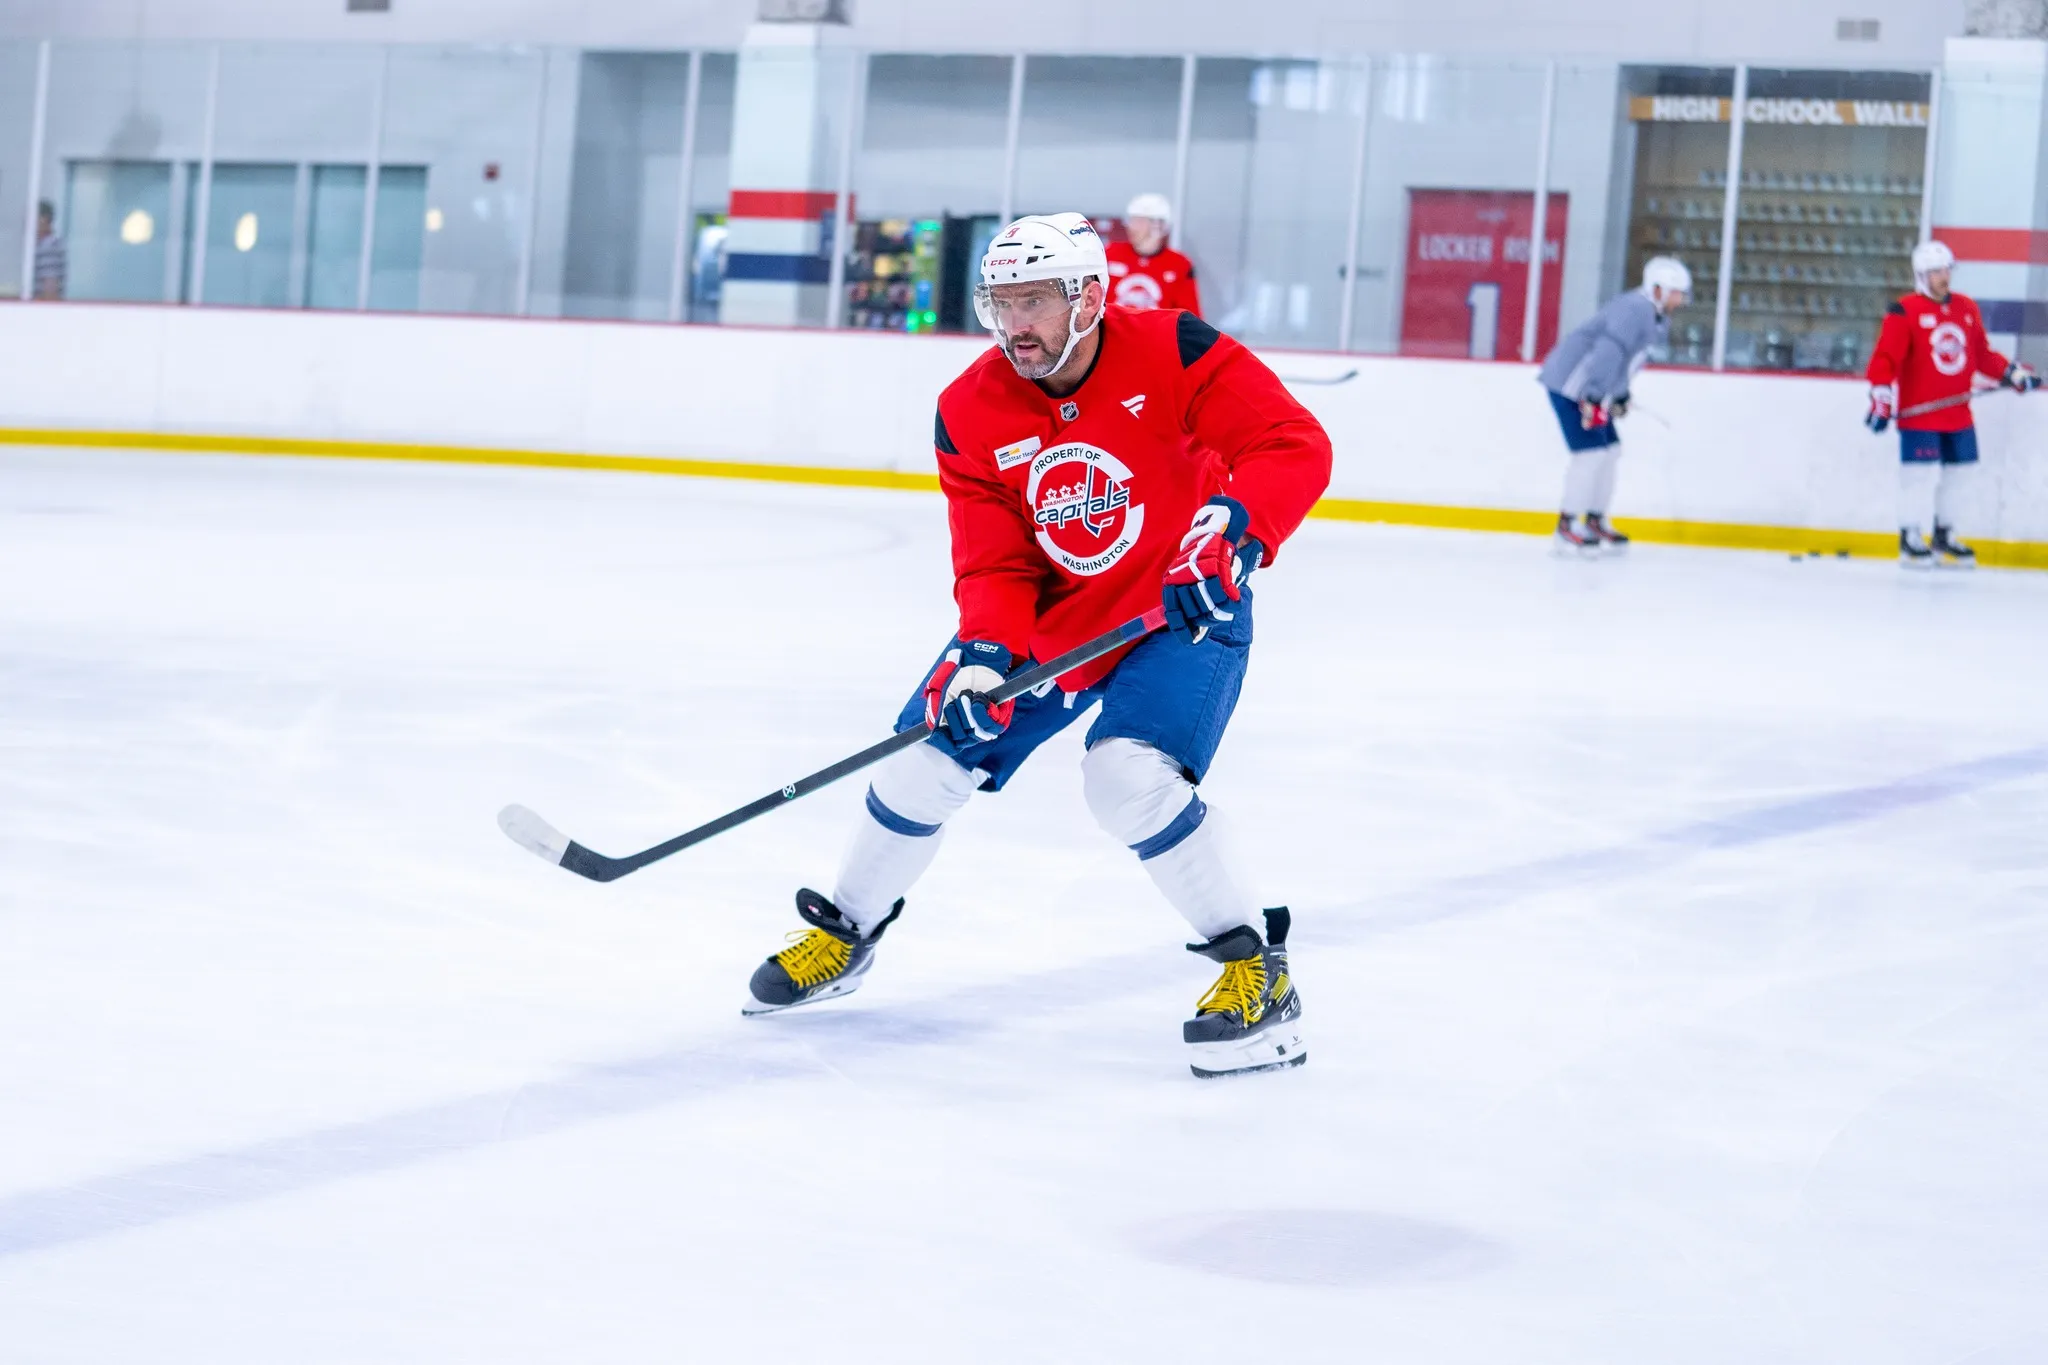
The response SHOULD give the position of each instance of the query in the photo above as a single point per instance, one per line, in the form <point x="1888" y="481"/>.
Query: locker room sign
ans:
<point x="1466" y="280"/>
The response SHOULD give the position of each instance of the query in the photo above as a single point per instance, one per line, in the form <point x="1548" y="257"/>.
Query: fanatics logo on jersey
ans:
<point x="1010" y="456"/>
<point x="1135" y="404"/>
<point x="1950" y="349"/>
<point x="1080" y="500"/>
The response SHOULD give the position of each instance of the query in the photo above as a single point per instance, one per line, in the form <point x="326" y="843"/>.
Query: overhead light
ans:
<point x="435" y="220"/>
<point x="138" y="227"/>
<point x="245" y="232"/>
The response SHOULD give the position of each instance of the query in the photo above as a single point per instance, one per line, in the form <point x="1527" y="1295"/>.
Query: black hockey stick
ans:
<point x="1344" y="378"/>
<point x="536" y="835"/>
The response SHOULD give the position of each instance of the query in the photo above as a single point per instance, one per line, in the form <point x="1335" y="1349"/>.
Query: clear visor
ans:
<point x="1010" y="308"/>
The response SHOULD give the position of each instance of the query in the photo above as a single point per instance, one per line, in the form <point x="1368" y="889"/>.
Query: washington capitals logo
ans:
<point x="1089" y="502"/>
<point x="1080" y="498"/>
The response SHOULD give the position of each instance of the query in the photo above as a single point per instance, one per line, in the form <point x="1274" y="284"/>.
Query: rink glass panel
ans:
<point x="1096" y="132"/>
<point x="1678" y="190"/>
<point x="1832" y="177"/>
<point x="1586" y="150"/>
<point x="927" y="188"/>
<point x="469" y="117"/>
<point x="710" y="187"/>
<point x="17" y="118"/>
<point x="1272" y="157"/>
<point x="624" y="189"/>
<point x="1441" y="127"/>
<point x="287" y="118"/>
<point x="125" y="134"/>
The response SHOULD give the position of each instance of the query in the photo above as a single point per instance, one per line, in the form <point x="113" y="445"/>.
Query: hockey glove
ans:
<point x="955" y="701"/>
<point x="2020" y="377"/>
<point x="1880" y="415"/>
<point x="1592" y="415"/>
<point x="1215" y="556"/>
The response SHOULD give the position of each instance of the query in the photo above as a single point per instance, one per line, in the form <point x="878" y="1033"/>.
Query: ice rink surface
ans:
<point x="1672" y="934"/>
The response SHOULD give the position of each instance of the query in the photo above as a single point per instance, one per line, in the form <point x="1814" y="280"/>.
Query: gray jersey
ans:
<point x="1602" y="354"/>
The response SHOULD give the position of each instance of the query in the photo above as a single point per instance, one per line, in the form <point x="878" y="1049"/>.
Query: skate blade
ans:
<point x="1917" y="565"/>
<point x="1297" y="1059"/>
<point x="1959" y="565"/>
<point x="753" y="1007"/>
<point x="1271" y="1050"/>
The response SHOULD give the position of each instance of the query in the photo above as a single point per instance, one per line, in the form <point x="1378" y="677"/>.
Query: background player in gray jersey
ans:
<point x="1588" y="376"/>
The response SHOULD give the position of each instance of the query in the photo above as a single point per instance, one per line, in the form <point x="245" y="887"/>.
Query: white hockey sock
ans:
<point x="1197" y="877"/>
<point x="909" y="801"/>
<point x="1917" y="481"/>
<point x="1140" y="796"/>
<point x="1581" y="480"/>
<point x="1603" y="479"/>
<point x="1952" y="494"/>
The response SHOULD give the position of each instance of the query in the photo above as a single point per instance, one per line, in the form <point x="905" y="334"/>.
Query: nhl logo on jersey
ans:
<point x="1069" y="410"/>
<point x="1949" y="348"/>
<point x="1080" y="499"/>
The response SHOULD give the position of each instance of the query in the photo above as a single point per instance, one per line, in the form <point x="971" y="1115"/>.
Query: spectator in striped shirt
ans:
<point x="50" y="262"/>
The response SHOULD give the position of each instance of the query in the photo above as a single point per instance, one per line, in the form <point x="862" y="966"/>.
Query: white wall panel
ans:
<point x="1681" y="30"/>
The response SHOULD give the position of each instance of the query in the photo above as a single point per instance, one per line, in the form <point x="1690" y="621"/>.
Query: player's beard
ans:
<point x="1048" y="348"/>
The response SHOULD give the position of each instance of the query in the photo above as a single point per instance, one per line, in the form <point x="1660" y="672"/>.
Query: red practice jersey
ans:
<point x="1065" y="511"/>
<point x="1163" y="281"/>
<point x="1934" y="350"/>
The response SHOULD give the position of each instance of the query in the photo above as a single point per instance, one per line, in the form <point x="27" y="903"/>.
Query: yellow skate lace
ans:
<point x="813" y="956"/>
<point x="1241" y="990"/>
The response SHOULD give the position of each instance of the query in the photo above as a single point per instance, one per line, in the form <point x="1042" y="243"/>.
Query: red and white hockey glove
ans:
<point x="1592" y="415"/>
<point x="1883" y="402"/>
<point x="2021" y="377"/>
<point x="955" y="702"/>
<point x="1215" y="557"/>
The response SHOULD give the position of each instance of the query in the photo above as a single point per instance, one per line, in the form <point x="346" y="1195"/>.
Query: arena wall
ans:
<point x="1738" y="460"/>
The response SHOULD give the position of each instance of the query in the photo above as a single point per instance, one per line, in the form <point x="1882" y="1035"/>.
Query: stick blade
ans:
<point x="533" y="834"/>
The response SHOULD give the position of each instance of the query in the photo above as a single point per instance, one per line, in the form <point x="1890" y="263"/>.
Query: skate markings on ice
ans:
<point x="754" y="1052"/>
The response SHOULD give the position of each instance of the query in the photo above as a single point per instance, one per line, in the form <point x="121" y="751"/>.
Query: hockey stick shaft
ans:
<point x="1954" y="400"/>
<point x="1343" y="378"/>
<point x="531" y="832"/>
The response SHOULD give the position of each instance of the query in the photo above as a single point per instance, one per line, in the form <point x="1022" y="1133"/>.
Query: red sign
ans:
<point x="1467" y="277"/>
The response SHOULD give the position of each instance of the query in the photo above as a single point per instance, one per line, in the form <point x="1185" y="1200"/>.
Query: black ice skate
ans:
<point x="1251" y="1018"/>
<point x="1951" y="552"/>
<point x="1603" y="536"/>
<point x="1572" y="544"/>
<point x="1913" y="551"/>
<point x="825" y="960"/>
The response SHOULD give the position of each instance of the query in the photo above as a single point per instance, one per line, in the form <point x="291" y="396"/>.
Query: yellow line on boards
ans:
<point x="477" y="455"/>
<point x="2002" y="554"/>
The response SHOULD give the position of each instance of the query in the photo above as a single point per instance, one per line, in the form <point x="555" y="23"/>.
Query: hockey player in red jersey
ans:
<point x="1933" y="347"/>
<point x="1098" y="463"/>
<point x="1144" y="272"/>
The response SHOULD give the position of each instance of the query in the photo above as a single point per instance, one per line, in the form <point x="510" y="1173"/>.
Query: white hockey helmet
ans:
<point x="1667" y="273"/>
<point x="1150" y="206"/>
<point x="1063" y="247"/>
<point x="1928" y="257"/>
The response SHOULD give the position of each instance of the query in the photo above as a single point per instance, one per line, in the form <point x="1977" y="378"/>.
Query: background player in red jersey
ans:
<point x="1933" y="347"/>
<point x="1144" y="272"/>
<point x="1098" y="463"/>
